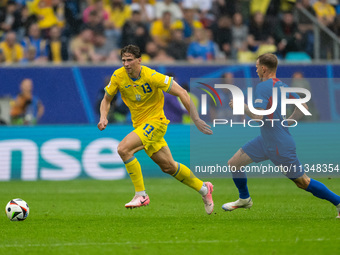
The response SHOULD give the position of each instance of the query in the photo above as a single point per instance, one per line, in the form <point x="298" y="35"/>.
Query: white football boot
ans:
<point x="239" y="203"/>
<point x="138" y="201"/>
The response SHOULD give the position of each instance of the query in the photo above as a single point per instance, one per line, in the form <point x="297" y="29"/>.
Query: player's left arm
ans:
<point x="104" y="110"/>
<point x="177" y="90"/>
<point x="296" y="115"/>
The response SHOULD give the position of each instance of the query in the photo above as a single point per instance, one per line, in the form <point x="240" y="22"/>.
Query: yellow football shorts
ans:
<point x="152" y="135"/>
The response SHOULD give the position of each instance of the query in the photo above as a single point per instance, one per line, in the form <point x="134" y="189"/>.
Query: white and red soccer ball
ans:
<point x="17" y="210"/>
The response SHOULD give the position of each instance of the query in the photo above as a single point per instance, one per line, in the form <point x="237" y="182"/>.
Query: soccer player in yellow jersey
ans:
<point x="142" y="91"/>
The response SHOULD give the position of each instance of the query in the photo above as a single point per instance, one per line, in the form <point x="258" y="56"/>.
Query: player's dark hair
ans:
<point x="269" y="60"/>
<point x="132" y="49"/>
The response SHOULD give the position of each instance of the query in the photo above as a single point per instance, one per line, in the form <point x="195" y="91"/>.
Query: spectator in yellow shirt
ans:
<point x="45" y="14"/>
<point x="119" y="14"/>
<point x="12" y="51"/>
<point x="187" y="24"/>
<point x="160" y="30"/>
<point x="324" y="12"/>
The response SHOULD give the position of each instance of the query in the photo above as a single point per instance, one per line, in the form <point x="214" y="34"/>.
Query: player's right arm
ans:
<point x="296" y="115"/>
<point x="104" y="110"/>
<point x="110" y="91"/>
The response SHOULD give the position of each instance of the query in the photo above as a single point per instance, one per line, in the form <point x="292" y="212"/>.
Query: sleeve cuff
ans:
<point x="107" y="93"/>
<point x="170" y="86"/>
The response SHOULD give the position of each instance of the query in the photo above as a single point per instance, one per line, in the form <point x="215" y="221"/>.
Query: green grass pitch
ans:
<point x="88" y="217"/>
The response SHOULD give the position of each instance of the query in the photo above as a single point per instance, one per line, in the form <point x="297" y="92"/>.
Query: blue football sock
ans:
<point x="240" y="180"/>
<point x="320" y="190"/>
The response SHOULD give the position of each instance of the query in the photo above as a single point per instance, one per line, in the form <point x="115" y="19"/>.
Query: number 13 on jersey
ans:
<point x="148" y="129"/>
<point x="146" y="88"/>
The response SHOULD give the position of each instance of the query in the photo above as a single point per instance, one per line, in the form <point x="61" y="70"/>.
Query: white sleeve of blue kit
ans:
<point x="261" y="98"/>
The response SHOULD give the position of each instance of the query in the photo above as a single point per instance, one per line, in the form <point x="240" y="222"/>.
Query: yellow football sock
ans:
<point x="135" y="171"/>
<point x="185" y="175"/>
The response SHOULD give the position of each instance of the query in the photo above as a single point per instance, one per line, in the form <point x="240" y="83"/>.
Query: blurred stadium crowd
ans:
<point x="198" y="31"/>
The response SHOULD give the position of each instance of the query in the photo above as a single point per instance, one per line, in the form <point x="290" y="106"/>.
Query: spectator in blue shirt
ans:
<point x="34" y="39"/>
<point x="202" y="49"/>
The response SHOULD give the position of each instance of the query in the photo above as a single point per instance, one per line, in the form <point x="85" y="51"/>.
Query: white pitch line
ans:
<point x="159" y="242"/>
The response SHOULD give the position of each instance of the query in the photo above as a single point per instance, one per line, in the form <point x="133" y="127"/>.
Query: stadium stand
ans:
<point x="225" y="22"/>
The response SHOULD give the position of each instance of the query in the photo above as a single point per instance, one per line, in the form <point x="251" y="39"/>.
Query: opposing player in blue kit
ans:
<point x="274" y="143"/>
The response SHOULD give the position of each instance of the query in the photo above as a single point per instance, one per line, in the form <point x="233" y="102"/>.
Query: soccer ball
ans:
<point x="17" y="210"/>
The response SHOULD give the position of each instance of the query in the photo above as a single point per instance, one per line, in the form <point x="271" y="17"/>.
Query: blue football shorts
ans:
<point x="291" y="166"/>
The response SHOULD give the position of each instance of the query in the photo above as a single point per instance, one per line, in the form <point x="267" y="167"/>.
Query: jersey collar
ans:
<point x="136" y="79"/>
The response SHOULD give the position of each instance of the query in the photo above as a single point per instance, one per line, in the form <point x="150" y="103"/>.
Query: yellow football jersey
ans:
<point x="144" y="95"/>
